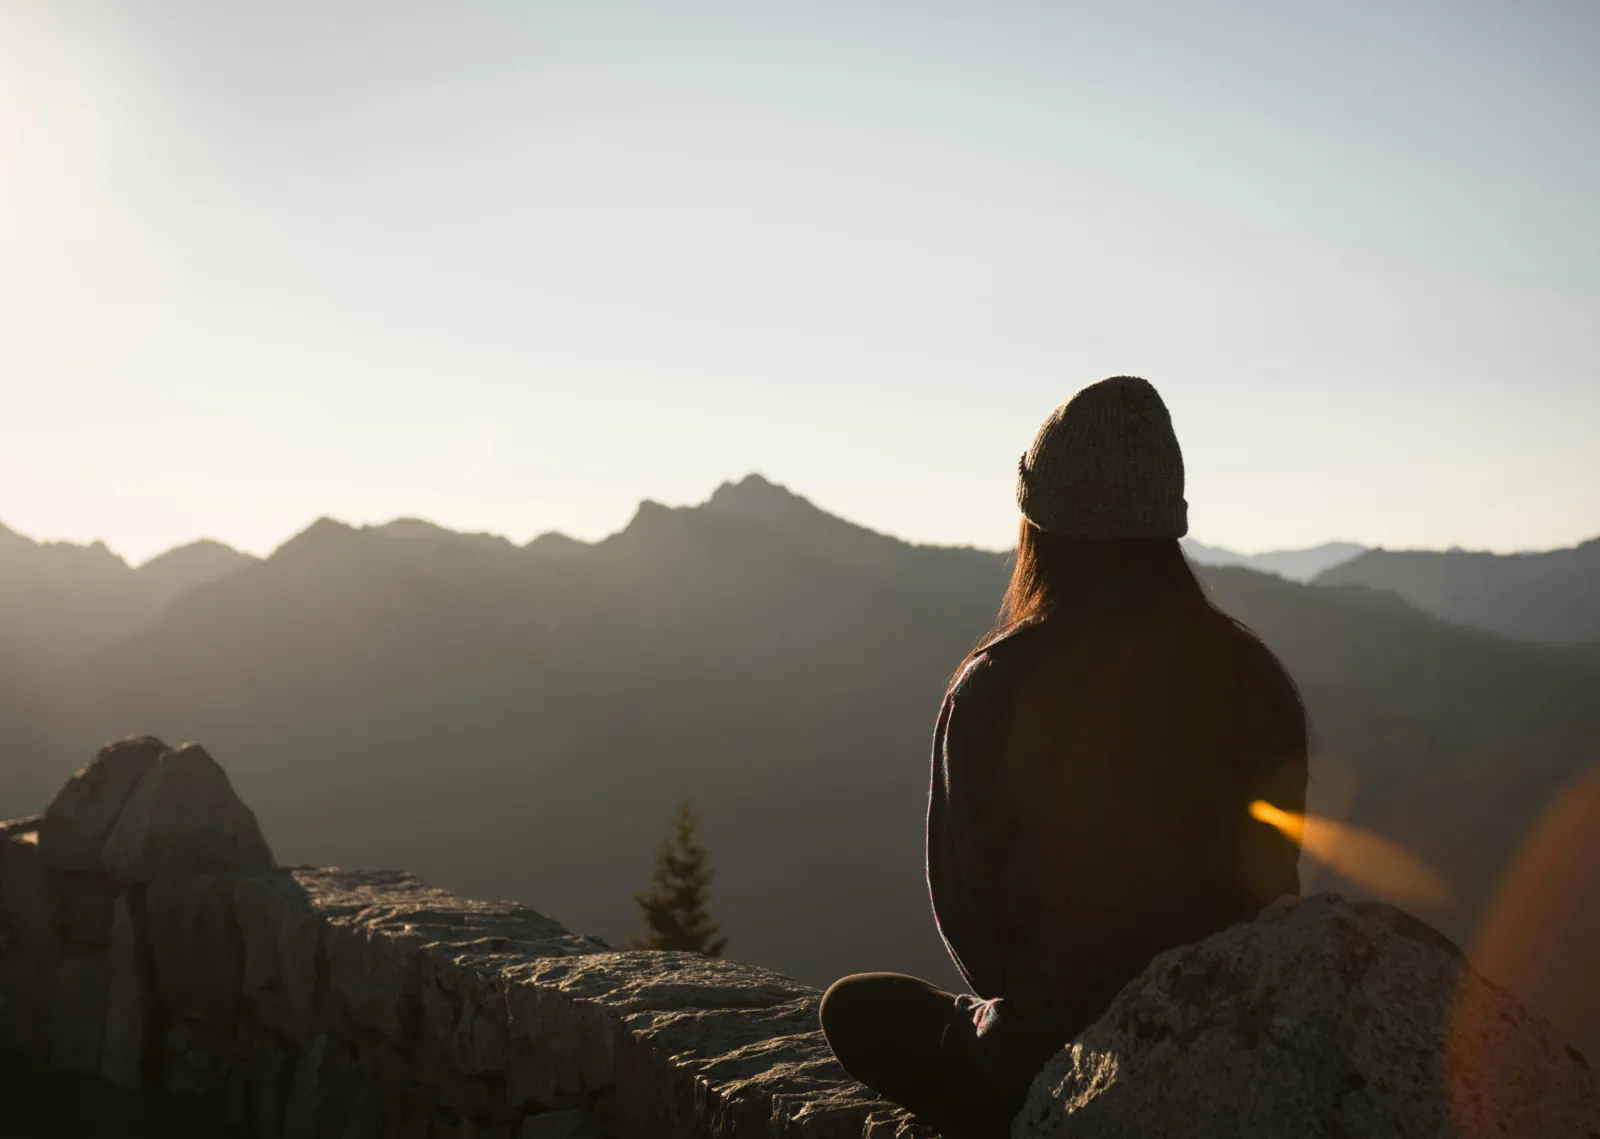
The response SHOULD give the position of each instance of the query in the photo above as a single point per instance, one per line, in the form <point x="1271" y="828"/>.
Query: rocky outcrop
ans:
<point x="75" y="825"/>
<point x="311" y="1002"/>
<point x="1321" y="1018"/>
<point x="146" y="938"/>
<point x="182" y="818"/>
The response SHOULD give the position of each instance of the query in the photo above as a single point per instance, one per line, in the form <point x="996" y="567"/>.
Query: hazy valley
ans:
<point x="518" y="722"/>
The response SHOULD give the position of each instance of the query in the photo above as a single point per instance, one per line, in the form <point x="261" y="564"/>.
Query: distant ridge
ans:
<point x="514" y="724"/>
<point x="1296" y="565"/>
<point x="1551" y="597"/>
<point x="416" y="529"/>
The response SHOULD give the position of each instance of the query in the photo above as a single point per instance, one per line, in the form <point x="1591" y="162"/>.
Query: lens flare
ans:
<point x="1540" y="937"/>
<point x="1376" y="863"/>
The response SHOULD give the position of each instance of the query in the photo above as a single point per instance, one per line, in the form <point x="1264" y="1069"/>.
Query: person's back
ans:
<point x="1094" y="765"/>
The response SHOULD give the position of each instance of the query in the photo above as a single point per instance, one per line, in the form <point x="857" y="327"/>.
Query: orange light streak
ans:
<point x="1379" y="864"/>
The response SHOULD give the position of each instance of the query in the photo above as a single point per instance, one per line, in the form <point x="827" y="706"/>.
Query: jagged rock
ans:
<point x="736" y="1073"/>
<point x="26" y="912"/>
<point x="75" y="825"/>
<point x="377" y="956"/>
<point x="572" y="1123"/>
<point x="1321" y="1018"/>
<point x="271" y="1067"/>
<point x="367" y="1004"/>
<point x="83" y="909"/>
<point x="894" y="1123"/>
<point x="28" y="943"/>
<point x="565" y="1013"/>
<point x="280" y="924"/>
<point x="132" y="1009"/>
<point x="77" y="1013"/>
<point x="194" y="939"/>
<point x="463" y="981"/>
<point x="196" y="1059"/>
<point x="183" y="818"/>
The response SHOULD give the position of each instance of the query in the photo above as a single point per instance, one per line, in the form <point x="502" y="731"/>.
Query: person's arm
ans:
<point x="1272" y="747"/>
<point x="965" y="842"/>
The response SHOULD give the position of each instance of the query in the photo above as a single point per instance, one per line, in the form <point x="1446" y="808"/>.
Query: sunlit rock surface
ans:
<point x="1321" y="1018"/>
<point x="162" y="951"/>
<point x="150" y="943"/>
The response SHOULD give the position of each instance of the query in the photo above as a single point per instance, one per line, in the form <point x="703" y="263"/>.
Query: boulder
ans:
<point x="280" y="924"/>
<point x="743" y="1073"/>
<point x="573" y="1123"/>
<point x="28" y="942"/>
<point x="183" y="818"/>
<point x="83" y="909"/>
<point x="195" y="1059"/>
<point x="132" y="1038"/>
<point x="194" y="939"/>
<point x="77" y="1013"/>
<point x="27" y="915"/>
<point x="564" y="1014"/>
<point x="1322" y="1017"/>
<point x="75" y="825"/>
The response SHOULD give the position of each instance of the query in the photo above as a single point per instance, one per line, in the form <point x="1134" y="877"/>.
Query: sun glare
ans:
<point x="1369" y="860"/>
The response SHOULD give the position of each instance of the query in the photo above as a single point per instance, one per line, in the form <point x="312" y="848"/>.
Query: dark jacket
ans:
<point x="1089" y="809"/>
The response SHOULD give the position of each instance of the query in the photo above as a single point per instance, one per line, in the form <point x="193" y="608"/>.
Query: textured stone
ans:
<point x="271" y="1065"/>
<point x="894" y="1123"/>
<point x="356" y="1004"/>
<point x="564" y="1014"/>
<point x="194" y="938"/>
<point x="132" y="1029"/>
<point x="183" y="818"/>
<point x="26" y="914"/>
<point x="463" y="982"/>
<point x="326" y="1084"/>
<point x="573" y="1123"/>
<point x="1321" y="1018"/>
<point x="83" y="909"/>
<point x="199" y="1060"/>
<point x="77" y="1013"/>
<point x="28" y="943"/>
<point x="377" y="957"/>
<point x="736" y="1073"/>
<point x="75" y="825"/>
<point x="280" y="926"/>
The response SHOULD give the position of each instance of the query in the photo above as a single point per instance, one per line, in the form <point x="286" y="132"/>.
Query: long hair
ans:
<point x="1094" y="581"/>
<point x="1158" y="679"/>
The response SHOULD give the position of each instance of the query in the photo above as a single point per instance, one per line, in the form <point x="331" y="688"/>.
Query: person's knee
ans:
<point x="841" y="1004"/>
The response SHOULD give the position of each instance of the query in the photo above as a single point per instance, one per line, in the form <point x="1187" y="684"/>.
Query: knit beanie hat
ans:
<point x="1106" y="464"/>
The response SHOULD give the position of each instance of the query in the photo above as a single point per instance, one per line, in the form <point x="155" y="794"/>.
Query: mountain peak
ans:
<point x="755" y="496"/>
<point x="324" y="533"/>
<point x="415" y="529"/>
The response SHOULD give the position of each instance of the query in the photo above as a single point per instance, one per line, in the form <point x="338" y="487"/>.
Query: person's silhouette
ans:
<point x="1094" y="762"/>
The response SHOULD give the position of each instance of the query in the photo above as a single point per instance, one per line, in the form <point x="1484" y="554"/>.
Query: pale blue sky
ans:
<point x="515" y="265"/>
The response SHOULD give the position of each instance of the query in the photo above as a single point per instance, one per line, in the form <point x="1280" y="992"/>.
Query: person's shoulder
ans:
<point x="997" y="661"/>
<point x="1260" y="680"/>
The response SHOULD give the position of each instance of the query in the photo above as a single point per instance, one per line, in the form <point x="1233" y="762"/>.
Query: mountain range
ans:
<point x="519" y="721"/>
<point x="1296" y="565"/>
<point x="1552" y="596"/>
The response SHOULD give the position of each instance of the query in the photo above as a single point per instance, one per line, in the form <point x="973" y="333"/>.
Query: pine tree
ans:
<point x="676" y="908"/>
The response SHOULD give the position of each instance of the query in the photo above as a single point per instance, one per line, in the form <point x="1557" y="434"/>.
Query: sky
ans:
<point x="514" y="266"/>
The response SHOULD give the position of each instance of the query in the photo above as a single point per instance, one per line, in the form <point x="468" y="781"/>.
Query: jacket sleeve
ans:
<point x="1272" y="744"/>
<point x="969" y="831"/>
<point x="964" y="860"/>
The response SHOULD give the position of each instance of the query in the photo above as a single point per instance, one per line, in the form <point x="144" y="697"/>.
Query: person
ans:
<point x="1094" y="763"/>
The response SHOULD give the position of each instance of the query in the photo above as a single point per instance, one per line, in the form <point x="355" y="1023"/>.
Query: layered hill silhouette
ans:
<point x="1296" y="565"/>
<point x="1552" y="597"/>
<point x="520" y="722"/>
<point x="60" y="601"/>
